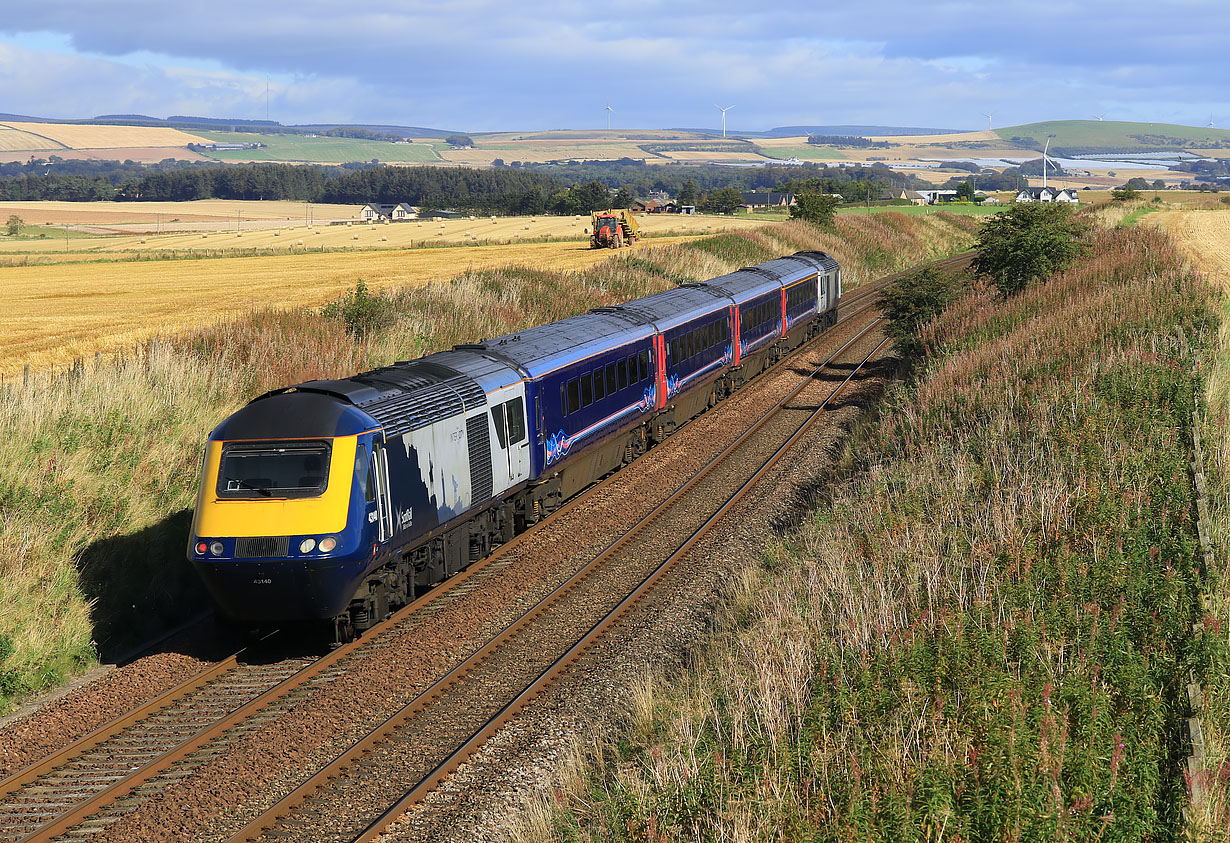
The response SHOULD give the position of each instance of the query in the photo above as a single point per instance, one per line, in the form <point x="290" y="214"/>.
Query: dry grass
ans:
<point x="81" y="136"/>
<point x="984" y="634"/>
<point x="1205" y="239"/>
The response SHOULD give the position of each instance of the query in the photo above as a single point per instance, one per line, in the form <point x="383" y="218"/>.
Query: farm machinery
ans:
<point x="612" y="229"/>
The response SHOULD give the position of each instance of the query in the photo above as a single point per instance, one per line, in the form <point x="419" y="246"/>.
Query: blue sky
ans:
<point x="477" y="66"/>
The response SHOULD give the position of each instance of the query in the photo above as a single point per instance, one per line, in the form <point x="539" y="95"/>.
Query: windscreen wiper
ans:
<point x="246" y="485"/>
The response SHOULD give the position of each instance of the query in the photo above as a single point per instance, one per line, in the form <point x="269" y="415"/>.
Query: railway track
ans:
<point x="82" y="789"/>
<point x="356" y="797"/>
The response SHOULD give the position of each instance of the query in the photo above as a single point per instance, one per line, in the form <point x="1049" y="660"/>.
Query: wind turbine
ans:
<point x="608" y="110"/>
<point x="1211" y="126"/>
<point x="1099" y="117"/>
<point x="988" y="116"/>
<point x="1046" y="160"/>
<point x="723" y="110"/>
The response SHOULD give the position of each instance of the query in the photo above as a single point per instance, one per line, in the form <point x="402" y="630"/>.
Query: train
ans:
<point x="336" y="501"/>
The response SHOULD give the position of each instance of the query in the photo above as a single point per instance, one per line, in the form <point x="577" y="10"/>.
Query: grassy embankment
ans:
<point x="986" y="632"/>
<point x="98" y="466"/>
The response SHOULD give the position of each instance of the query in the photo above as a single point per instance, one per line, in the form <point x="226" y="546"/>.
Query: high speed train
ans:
<point x="336" y="500"/>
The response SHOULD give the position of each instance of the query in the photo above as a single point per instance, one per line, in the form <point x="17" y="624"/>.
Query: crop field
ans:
<point x="270" y="227"/>
<point x="320" y="150"/>
<point x="221" y="211"/>
<point x="55" y="314"/>
<point x="805" y="151"/>
<point x="17" y="140"/>
<point x="78" y="136"/>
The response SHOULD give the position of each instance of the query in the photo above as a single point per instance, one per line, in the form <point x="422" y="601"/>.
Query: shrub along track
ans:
<point x="397" y="644"/>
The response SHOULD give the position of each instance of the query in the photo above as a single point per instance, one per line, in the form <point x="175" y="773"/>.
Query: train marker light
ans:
<point x="307" y="545"/>
<point x="216" y="548"/>
<point x="201" y="547"/>
<point x="327" y="544"/>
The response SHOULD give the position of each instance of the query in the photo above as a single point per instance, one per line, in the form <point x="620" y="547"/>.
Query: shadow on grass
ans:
<point x="140" y="585"/>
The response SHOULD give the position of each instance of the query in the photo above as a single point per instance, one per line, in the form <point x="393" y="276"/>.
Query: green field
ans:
<point x="1113" y="134"/>
<point x="807" y="152"/>
<point x="923" y="210"/>
<point x="301" y="148"/>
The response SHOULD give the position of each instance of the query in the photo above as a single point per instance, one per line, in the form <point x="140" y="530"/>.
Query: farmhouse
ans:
<point x="935" y="197"/>
<point x="911" y="196"/>
<point x="1048" y="194"/>
<point x="376" y="212"/>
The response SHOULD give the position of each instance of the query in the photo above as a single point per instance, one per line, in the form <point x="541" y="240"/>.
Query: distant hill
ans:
<point x="797" y="131"/>
<point x="1116" y="136"/>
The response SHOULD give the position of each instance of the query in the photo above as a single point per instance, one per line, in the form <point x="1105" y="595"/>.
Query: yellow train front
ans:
<point x="285" y="525"/>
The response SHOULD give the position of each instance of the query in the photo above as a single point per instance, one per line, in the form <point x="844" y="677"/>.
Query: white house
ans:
<point x="1048" y="194"/>
<point x="377" y="211"/>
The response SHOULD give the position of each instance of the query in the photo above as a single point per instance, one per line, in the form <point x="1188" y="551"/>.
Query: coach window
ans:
<point x="611" y="383"/>
<point x="563" y="399"/>
<point x="599" y="385"/>
<point x="515" y="412"/>
<point x="644" y="358"/>
<point x="622" y="368"/>
<point x="587" y="390"/>
<point x="574" y="395"/>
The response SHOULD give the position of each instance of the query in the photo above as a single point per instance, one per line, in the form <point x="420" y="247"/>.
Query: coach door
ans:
<point x="823" y="282"/>
<point x="384" y="508"/>
<point x="511" y="449"/>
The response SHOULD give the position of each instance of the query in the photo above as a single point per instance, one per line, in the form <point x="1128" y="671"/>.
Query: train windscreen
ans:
<point x="273" y="470"/>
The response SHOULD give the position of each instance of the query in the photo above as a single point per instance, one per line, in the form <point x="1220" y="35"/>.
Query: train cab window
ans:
<point x="364" y="476"/>
<point x="644" y="358"/>
<point x="622" y="368"/>
<point x="514" y="411"/>
<point x="273" y="469"/>
<point x="587" y="389"/>
<point x="599" y="385"/>
<point x="497" y="416"/>
<point x="574" y="395"/>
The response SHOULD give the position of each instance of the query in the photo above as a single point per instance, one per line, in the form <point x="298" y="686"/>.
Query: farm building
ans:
<point x="1048" y="194"/>
<point x="649" y="207"/>
<point x="378" y="212"/>
<point x="767" y="199"/>
<point x="911" y="196"/>
<point x="935" y="197"/>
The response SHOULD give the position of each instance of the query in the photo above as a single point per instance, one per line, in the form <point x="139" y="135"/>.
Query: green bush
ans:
<point x="1027" y="242"/>
<point x="361" y="311"/>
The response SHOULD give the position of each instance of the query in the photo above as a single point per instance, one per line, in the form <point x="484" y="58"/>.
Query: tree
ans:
<point x="816" y="208"/>
<point x="965" y="190"/>
<point x="1122" y="194"/>
<point x="14" y="225"/>
<point x="623" y="199"/>
<point x="687" y="193"/>
<point x="1158" y="184"/>
<point x="459" y="140"/>
<point x="1027" y="242"/>
<point x="723" y="200"/>
<point x="914" y="300"/>
<point x="1137" y="183"/>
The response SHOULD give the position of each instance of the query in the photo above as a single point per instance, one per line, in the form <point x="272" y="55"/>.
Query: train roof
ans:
<point x="537" y="351"/>
<point x="667" y="309"/>
<point x="293" y="415"/>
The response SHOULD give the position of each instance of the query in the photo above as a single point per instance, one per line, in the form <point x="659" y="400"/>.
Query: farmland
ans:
<point x="80" y="300"/>
<point x="292" y="148"/>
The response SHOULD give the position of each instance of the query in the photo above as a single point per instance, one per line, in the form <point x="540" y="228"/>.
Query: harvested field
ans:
<point x="15" y="139"/>
<point x="141" y="155"/>
<point x="79" y="136"/>
<point x="203" y="210"/>
<point x="277" y="232"/>
<point x="59" y="313"/>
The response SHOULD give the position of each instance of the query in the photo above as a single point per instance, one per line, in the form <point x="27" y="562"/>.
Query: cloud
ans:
<point x="481" y="65"/>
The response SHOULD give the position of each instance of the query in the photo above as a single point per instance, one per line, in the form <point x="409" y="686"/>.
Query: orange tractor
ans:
<point x="612" y="229"/>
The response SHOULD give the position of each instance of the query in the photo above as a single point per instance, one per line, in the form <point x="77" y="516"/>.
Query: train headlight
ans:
<point x="307" y="545"/>
<point x="202" y="548"/>
<point x="216" y="548"/>
<point x="327" y="544"/>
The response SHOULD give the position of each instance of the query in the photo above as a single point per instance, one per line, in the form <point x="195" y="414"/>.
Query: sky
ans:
<point x="472" y="65"/>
